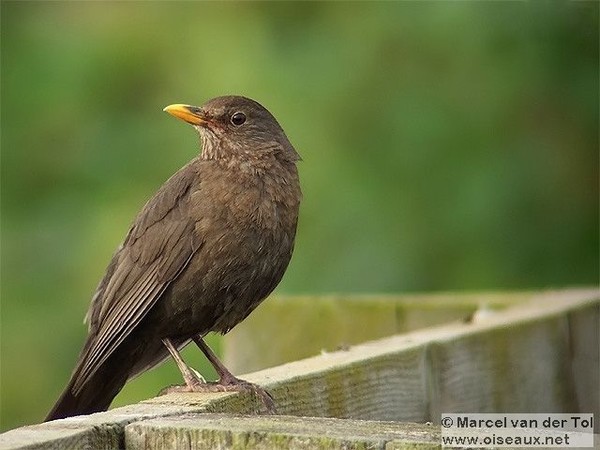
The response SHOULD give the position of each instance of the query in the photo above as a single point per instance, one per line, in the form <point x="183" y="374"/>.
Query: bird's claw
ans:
<point x="235" y="384"/>
<point x="227" y="385"/>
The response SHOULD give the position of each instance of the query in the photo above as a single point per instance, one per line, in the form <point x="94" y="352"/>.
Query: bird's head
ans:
<point x="235" y="126"/>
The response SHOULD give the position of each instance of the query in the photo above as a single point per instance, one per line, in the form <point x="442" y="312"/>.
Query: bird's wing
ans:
<point x="157" y="248"/>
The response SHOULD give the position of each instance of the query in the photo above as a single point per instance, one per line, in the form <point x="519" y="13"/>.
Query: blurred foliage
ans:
<point x="446" y="146"/>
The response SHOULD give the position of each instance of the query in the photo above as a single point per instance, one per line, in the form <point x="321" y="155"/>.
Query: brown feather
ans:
<point x="141" y="271"/>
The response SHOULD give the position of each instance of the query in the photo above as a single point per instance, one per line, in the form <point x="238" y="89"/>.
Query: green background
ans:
<point x="446" y="146"/>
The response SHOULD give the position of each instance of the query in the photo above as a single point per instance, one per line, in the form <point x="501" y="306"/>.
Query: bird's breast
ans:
<point x="247" y="218"/>
<point x="246" y="225"/>
<point x="247" y="202"/>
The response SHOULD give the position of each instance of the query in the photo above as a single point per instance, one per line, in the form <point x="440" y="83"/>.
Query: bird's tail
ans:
<point x="94" y="396"/>
<point x="134" y="356"/>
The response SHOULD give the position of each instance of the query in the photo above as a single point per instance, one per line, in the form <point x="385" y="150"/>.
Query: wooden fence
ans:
<point x="517" y="352"/>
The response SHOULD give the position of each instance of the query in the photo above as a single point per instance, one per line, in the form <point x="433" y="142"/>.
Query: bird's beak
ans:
<point x="191" y="114"/>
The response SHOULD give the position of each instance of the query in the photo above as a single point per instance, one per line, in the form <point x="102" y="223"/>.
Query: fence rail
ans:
<point x="525" y="352"/>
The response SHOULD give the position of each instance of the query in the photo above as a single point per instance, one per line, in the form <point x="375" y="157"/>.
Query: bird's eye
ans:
<point x="238" y="118"/>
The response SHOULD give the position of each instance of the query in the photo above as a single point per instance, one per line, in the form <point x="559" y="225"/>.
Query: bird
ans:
<point x="201" y="255"/>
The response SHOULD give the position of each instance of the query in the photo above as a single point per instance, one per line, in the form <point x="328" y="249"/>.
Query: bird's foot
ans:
<point x="225" y="384"/>
<point x="194" y="382"/>
<point x="230" y="383"/>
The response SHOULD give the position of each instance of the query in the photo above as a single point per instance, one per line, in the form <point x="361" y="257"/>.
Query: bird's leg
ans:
<point x="226" y="378"/>
<point x="194" y="382"/>
<point x="228" y="381"/>
<point x="191" y="377"/>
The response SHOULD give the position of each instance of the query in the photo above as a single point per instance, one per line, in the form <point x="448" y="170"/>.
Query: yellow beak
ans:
<point x="191" y="114"/>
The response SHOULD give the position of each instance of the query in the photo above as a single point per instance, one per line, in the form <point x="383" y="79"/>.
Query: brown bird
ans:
<point x="210" y="245"/>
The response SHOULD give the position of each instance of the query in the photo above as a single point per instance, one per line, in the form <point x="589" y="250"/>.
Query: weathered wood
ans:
<point x="521" y="368"/>
<point x="522" y="359"/>
<point x="95" y="432"/>
<point x="540" y="355"/>
<point x="211" y="431"/>
<point x="585" y="358"/>
<point x="286" y="329"/>
<point x="511" y="361"/>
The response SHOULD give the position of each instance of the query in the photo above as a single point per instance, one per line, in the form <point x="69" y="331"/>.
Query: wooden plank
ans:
<point x="510" y="361"/>
<point x="285" y="329"/>
<point x="101" y="431"/>
<point x="521" y="360"/>
<point x="52" y="436"/>
<point x="521" y="368"/>
<point x="526" y="358"/>
<point x="584" y="346"/>
<point x="210" y="431"/>
<point x="376" y="380"/>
